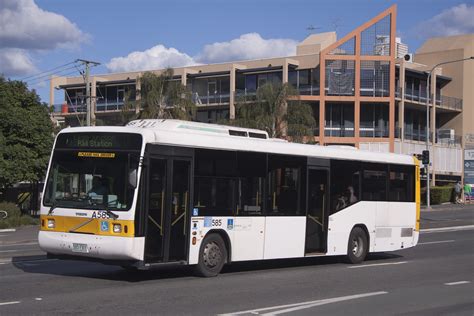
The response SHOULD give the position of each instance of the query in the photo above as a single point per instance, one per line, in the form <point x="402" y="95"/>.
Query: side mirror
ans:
<point x="132" y="178"/>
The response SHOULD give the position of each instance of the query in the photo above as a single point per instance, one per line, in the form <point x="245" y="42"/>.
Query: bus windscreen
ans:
<point x="93" y="171"/>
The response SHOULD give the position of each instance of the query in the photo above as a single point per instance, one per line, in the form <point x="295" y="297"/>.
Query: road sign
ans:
<point x="469" y="166"/>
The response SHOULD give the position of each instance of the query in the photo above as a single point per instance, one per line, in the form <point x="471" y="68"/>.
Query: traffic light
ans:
<point x="425" y="157"/>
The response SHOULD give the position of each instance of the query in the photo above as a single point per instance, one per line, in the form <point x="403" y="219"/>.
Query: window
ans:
<point x="214" y="182"/>
<point x="374" y="182"/>
<point x="251" y="168"/>
<point x="283" y="185"/>
<point x="345" y="184"/>
<point x="401" y="184"/>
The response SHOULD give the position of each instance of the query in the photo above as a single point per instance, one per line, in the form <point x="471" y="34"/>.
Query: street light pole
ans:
<point x="428" y="123"/>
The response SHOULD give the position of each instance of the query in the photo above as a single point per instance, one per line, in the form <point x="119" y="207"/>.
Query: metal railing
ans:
<point x="420" y="135"/>
<point x="442" y="101"/>
<point x="374" y="132"/>
<point x="211" y="99"/>
<point x="339" y="131"/>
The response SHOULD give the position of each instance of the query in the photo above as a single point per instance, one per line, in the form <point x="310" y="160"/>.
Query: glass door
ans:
<point x="168" y="209"/>
<point x="316" y="216"/>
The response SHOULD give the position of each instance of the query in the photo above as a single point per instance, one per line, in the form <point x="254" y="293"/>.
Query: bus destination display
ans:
<point x="99" y="141"/>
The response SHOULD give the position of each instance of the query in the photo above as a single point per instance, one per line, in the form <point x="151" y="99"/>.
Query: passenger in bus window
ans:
<point x="351" y="197"/>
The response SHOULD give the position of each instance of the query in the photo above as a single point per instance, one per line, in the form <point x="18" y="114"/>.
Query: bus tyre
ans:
<point x="212" y="256"/>
<point x="358" y="246"/>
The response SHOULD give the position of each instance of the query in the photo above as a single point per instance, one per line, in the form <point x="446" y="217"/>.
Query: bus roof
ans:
<point x="213" y="136"/>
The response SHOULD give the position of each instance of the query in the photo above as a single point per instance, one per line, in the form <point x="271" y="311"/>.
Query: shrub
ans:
<point x="439" y="195"/>
<point x="15" y="218"/>
<point x="11" y="209"/>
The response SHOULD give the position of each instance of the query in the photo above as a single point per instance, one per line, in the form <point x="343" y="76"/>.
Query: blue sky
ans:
<point x="39" y="35"/>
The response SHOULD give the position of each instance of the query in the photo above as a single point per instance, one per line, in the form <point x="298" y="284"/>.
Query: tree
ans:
<point x="278" y="111"/>
<point x="26" y="134"/>
<point x="161" y="97"/>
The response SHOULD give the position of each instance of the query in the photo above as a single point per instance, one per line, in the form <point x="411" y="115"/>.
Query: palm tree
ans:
<point x="277" y="111"/>
<point x="161" y="97"/>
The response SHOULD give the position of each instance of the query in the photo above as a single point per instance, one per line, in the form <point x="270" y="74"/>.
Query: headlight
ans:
<point x="117" y="228"/>
<point x="51" y="223"/>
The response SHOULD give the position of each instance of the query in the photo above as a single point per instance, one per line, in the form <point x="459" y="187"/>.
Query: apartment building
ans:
<point x="362" y="91"/>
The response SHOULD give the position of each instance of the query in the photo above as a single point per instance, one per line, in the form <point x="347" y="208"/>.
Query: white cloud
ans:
<point x="24" y="25"/>
<point x="247" y="46"/>
<point x="25" y="29"/>
<point x="15" y="61"/>
<point x="453" y="21"/>
<point x="157" y="57"/>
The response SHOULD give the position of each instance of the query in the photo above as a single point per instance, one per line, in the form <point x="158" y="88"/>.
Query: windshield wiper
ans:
<point x="51" y="209"/>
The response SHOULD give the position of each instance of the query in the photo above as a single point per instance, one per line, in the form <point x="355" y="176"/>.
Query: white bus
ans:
<point x="167" y="191"/>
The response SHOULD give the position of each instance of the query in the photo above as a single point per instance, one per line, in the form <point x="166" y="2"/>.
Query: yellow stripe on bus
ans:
<point x="87" y="225"/>
<point x="417" y="192"/>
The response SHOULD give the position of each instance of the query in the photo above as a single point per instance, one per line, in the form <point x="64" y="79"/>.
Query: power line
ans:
<point x="49" y="79"/>
<point x="50" y="74"/>
<point x="46" y="71"/>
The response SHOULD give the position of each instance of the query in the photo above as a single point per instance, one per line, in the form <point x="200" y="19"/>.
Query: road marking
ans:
<point x="279" y="309"/>
<point x="9" y="303"/>
<point x="9" y="250"/>
<point x="457" y="283"/>
<point x="377" y="264"/>
<point x="38" y="299"/>
<point x="435" y="242"/>
<point x="7" y="230"/>
<point x="446" y="229"/>
<point x="26" y="261"/>
<point x="13" y="244"/>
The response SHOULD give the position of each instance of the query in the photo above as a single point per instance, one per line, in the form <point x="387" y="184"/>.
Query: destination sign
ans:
<point x="99" y="141"/>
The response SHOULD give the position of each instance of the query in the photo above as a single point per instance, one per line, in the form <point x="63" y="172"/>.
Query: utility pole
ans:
<point x="87" y="64"/>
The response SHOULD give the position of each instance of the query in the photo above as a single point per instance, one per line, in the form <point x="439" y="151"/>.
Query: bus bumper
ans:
<point x="93" y="246"/>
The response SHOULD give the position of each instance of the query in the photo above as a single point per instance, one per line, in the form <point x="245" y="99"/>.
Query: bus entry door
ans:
<point x="168" y="200"/>
<point x="316" y="216"/>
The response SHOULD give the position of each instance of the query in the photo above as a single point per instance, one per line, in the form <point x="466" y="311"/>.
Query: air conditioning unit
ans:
<point x="446" y="134"/>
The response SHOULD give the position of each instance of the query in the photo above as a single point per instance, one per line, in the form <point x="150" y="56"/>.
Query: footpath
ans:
<point x="449" y="207"/>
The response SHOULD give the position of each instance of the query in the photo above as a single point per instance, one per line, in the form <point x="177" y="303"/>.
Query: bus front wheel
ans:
<point x="212" y="256"/>
<point x="358" y="245"/>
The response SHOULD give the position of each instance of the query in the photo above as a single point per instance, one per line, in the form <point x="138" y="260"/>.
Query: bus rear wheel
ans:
<point x="358" y="245"/>
<point x="212" y="256"/>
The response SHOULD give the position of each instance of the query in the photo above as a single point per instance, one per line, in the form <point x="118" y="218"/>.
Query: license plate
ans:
<point x="80" y="248"/>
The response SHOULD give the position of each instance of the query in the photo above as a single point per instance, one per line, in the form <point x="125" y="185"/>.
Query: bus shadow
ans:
<point x="84" y="269"/>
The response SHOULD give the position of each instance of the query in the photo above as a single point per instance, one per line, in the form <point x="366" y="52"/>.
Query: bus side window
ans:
<point x="251" y="172"/>
<point x="345" y="187"/>
<point x="215" y="182"/>
<point x="401" y="183"/>
<point x="284" y="185"/>
<point x="374" y="182"/>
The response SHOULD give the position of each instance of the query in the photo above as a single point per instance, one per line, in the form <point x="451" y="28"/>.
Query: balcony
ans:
<point x="210" y="99"/>
<point x="109" y="105"/>
<point x="339" y="131"/>
<point x="374" y="132"/>
<point x="420" y="135"/>
<point x="442" y="101"/>
<point x="244" y="95"/>
<point x="307" y="90"/>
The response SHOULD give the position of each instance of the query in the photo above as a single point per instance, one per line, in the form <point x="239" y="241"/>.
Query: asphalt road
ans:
<point x="434" y="278"/>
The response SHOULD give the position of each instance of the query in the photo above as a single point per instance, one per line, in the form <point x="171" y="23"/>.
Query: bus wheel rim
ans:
<point x="212" y="255"/>
<point x="356" y="246"/>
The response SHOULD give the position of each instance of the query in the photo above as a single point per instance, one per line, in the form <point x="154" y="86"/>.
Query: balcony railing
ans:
<point x="109" y="105"/>
<point x="308" y="90"/>
<point x="441" y="100"/>
<point x="373" y="132"/>
<point x="245" y="95"/>
<point x="420" y="135"/>
<point x="339" y="131"/>
<point x="211" y="99"/>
